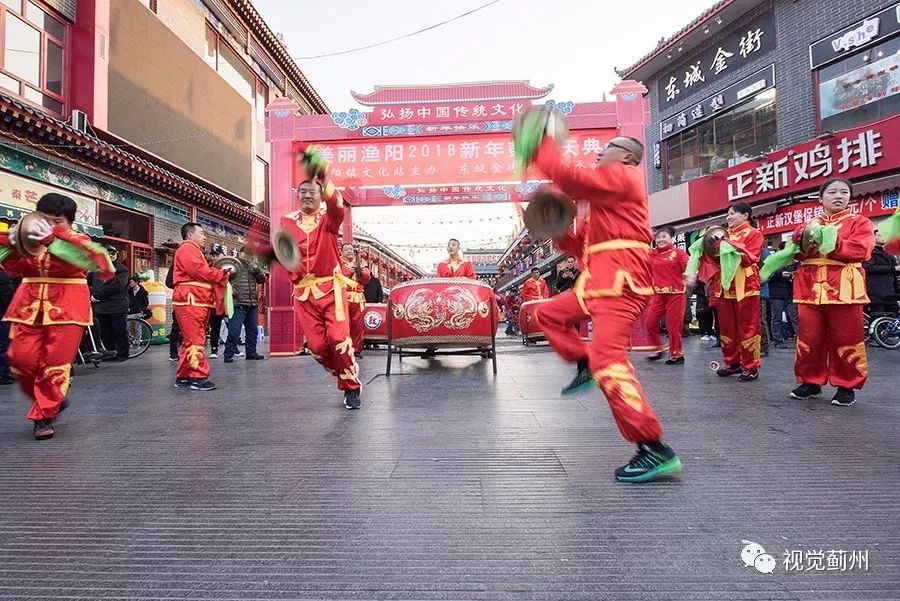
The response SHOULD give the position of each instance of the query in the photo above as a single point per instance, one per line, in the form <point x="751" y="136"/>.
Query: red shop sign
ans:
<point x="851" y="154"/>
<point x="786" y="219"/>
<point x="498" y="110"/>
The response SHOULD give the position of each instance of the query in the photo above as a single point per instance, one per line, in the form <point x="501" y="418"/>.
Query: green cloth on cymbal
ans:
<point x="695" y="251"/>
<point x="5" y="251"/>
<point x="778" y="260"/>
<point x="527" y="137"/>
<point x="316" y="164"/>
<point x="890" y="227"/>
<point x="89" y="256"/>
<point x="827" y="239"/>
<point x="729" y="262"/>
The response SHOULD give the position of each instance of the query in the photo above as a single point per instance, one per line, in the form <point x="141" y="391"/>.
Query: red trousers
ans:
<point x="355" y="315"/>
<point x="192" y="321"/>
<point x="831" y="346"/>
<point x="328" y="339"/>
<point x="42" y="357"/>
<point x="739" y="331"/>
<point x="613" y="318"/>
<point x="672" y="306"/>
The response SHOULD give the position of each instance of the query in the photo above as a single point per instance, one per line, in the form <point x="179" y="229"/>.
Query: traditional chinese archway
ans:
<point x="426" y="145"/>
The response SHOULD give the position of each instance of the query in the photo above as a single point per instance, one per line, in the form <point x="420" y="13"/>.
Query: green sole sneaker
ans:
<point x="669" y="468"/>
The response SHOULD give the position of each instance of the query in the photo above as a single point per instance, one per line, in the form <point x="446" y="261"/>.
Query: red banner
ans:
<point x="851" y="154"/>
<point x="403" y="114"/>
<point x="786" y="219"/>
<point x="449" y="160"/>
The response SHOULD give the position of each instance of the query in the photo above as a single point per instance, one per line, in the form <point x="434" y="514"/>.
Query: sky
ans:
<point x="573" y="44"/>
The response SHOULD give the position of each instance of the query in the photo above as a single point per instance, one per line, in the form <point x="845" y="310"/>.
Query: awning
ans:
<point x="879" y="184"/>
<point x="10" y="213"/>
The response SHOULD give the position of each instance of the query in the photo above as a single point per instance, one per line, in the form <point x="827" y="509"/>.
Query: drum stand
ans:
<point x="428" y="353"/>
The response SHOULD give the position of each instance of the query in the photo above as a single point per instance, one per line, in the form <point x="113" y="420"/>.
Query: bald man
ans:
<point x="613" y="289"/>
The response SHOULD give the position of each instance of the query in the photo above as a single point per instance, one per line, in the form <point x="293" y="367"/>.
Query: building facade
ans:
<point x="762" y="101"/>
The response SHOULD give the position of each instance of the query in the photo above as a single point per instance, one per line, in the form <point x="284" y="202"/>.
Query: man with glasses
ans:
<point x="615" y="286"/>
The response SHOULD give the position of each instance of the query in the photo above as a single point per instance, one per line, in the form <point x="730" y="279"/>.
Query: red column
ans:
<point x="88" y="69"/>
<point x="285" y="333"/>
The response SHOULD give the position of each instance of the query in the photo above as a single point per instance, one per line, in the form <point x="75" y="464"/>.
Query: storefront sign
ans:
<point x="435" y="161"/>
<point x="227" y="235"/>
<point x="876" y="27"/>
<point x="742" y="91"/>
<point x="19" y="196"/>
<point x="705" y="69"/>
<point x="786" y="219"/>
<point x="855" y="153"/>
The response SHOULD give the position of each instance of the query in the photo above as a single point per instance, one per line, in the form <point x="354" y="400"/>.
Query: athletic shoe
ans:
<point x="229" y="360"/>
<point x="171" y="358"/>
<point x="675" y="361"/>
<point x="806" y="391"/>
<point x="728" y="370"/>
<point x="749" y="376"/>
<point x="43" y="429"/>
<point x="654" y="356"/>
<point x="256" y="358"/>
<point x="844" y="397"/>
<point x="202" y="385"/>
<point x="239" y="354"/>
<point x="5" y="381"/>
<point x="651" y="462"/>
<point x="214" y="355"/>
<point x="351" y="399"/>
<point x="582" y="380"/>
<point x="183" y="382"/>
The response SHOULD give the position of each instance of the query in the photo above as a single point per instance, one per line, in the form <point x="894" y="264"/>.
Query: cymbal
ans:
<point x="236" y="266"/>
<point x="713" y="235"/>
<point x="25" y="246"/>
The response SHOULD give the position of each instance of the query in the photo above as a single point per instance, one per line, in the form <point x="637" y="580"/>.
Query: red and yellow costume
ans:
<point x="738" y="306"/>
<point x="613" y="287"/>
<point x="199" y="289"/>
<point x="320" y="289"/>
<point x="456" y="268"/>
<point x="667" y="266"/>
<point x="356" y="301"/>
<point x="48" y="313"/>
<point x="535" y="289"/>
<point x="830" y="292"/>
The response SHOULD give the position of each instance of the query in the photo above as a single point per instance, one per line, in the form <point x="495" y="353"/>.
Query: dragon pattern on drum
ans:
<point x="455" y="308"/>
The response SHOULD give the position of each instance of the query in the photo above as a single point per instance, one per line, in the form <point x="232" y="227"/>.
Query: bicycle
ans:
<point x="886" y="331"/>
<point x="140" y="332"/>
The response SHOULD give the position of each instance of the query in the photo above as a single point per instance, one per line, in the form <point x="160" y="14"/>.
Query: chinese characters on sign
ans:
<point x="476" y="159"/>
<point x="785" y="219"/>
<point x="733" y="95"/>
<point x="745" y="45"/>
<point x="448" y="111"/>
<point x="808" y="560"/>
<point x="862" y="150"/>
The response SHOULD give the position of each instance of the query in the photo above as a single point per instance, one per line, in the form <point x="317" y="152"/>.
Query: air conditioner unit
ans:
<point x="79" y="121"/>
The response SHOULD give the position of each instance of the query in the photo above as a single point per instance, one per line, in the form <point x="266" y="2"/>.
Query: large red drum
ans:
<point x="528" y="323"/>
<point x="375" y="322"/>
<point x="443" y="313"/>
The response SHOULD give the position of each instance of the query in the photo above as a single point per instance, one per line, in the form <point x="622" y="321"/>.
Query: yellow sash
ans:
<point x="54" y="281"/>
<point x="853" y="285"/>
<point x="310" y="285"/>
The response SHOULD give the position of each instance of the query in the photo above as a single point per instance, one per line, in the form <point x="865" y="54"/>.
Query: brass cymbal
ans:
<point x="237" y="267"/>
<point x="711" y="237"/>
<point x="24" y="246"/>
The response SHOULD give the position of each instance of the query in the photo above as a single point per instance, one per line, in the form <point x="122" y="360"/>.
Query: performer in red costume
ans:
<point x="355" y="298"/>
<point x="198" y="290"/>
<point x="535" y="288"/>
<point x="738" y="306"/>
<point x="830" y="292"/>
<point x="51" y="307"/>
<point x="667" y="265"/>
<point x="612" y="289"/>
<point x="455" y="266"/>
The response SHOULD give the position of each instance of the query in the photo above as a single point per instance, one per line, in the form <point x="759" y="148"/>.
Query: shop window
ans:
<point x="732" y="137"/>
<point x="33" y="59"/>
<point x="860" y="88"/>
<point x="124" y="225"/>
<point x="261" y="177"/>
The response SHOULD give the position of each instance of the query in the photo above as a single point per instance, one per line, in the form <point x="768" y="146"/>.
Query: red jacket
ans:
<point x="52" y="288"/>
<point x="616" y="247"/>
<point x="461" y="268"/>
<point x="355" y="292"/>
<point x="196" y="282"/>
<point x="667" y="264"/>
<point x="535" y="290"/>
<point x="838" y="278"/>
<point x="749" y="242"/>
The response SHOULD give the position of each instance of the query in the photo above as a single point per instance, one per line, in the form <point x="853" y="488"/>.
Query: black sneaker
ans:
<point x="229" y="360"/>
<point x="675" y="361"/>
<point x="806" y="391"/>
<point x="844" y="397"/>
<point x="203" y="385"/>
<point x="43" y="429"/>
<point x="5" y="381"/>
<point x="351" y="399"/>
<point x="64" y="405"/>
<point x="183" y="382"/>
<point x="749" y="376"/>
<point x="654" y="356"/>
<point x="582" y="380"/>
<point x="651" y="462"/>
<point x="214" y="355"/>
<point x="728" y="370"/>
<point x="256" y="358"/>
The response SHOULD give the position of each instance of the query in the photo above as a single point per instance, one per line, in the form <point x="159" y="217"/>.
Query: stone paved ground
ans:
<point x="449" y="484"/>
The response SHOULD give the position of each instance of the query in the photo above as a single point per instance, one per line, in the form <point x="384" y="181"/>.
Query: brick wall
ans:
<point x="64" y="7"/>
<point x="798" y="23"/>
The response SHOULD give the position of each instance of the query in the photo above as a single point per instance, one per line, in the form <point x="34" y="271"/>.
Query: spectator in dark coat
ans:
<point x="373" y="291"/>
<point x="246" y="307"/>
<point x="138" y="299"/>
<point x="781" y="302"/>
<point x="706" y="320"/>
<point x="881" y="279"/>
<point x="175" y="331"/>
<point x="8" y="287"/>
<point x="566" y="275"/>
<point x="110" y="306"/>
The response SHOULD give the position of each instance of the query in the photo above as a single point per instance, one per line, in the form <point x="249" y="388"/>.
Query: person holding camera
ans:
<point x="566" y="275"/>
